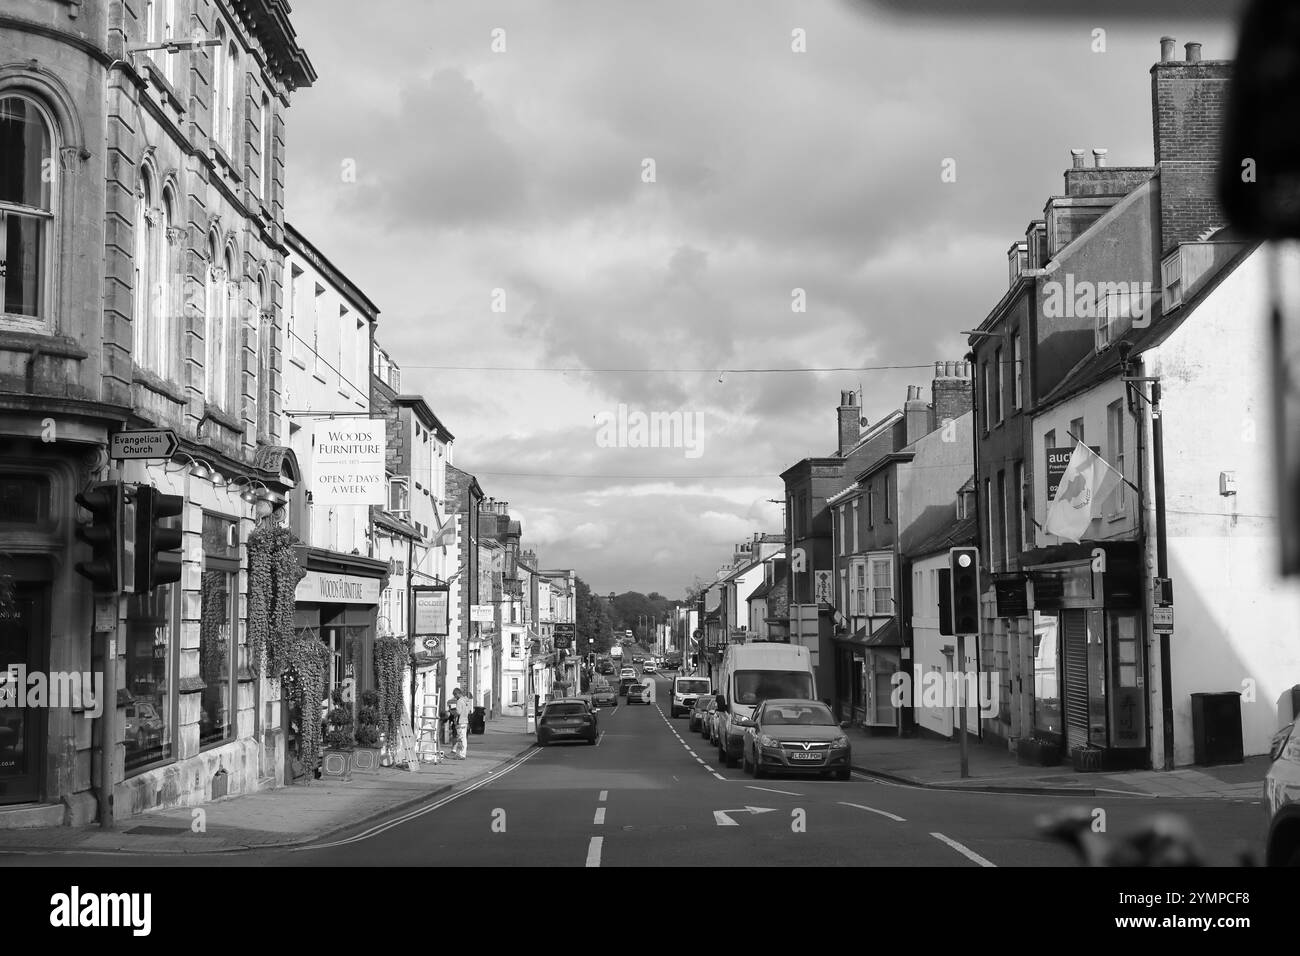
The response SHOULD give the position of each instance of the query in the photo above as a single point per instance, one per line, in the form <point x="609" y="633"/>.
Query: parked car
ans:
<point x="686" y="691"/>
<point x="696" y="722"/>
<point x="567" y="719"/>
<point x="794" y="736"/>
<point x="604" y="693"/>
<point x="1282" y="799"/>
<point x="640" y="694"/>
<point x="625" y="683"/>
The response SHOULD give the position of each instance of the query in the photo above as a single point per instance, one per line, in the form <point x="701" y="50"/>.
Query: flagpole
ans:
<point x="1120" y="474"/>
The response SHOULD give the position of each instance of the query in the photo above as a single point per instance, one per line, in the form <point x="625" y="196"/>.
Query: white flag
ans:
<point x="1087" y="483"/>
<point x="445" y="535"/>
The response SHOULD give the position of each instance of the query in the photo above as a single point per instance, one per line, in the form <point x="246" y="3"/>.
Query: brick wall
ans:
<point x="1188" y="102"/>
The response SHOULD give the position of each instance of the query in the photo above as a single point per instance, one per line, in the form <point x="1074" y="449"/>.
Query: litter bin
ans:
<point x="1216" y="728"/>
<point x="478" y="720"/>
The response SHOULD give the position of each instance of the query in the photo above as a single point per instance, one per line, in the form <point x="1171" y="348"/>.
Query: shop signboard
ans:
<point x="347" y="462"/>
<point x="565" y="635"/>
<point x="431" y="607"/>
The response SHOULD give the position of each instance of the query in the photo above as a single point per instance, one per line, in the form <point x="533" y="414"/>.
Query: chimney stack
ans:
<point x="916" y="415"/>
<point x="1167" y="49"/>
<point x="1076" y="158"/>
<point x="1099" y="157"/>
<point x="952" y="390"/>
<point x="1189" y="106"/>
<point x="848" y="421"/>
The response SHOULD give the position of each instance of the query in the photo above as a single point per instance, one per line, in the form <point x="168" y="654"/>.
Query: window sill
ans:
<point x="318" y="377"/>
<point x="1117" y="517"/>
<point x="159" y="385"/>
<point x="301" y="363"/>
<point x="223" y="418"/>
<point x="33" y="340"/>
<point x="164" y="85"/>
<point x="223" y="160"/>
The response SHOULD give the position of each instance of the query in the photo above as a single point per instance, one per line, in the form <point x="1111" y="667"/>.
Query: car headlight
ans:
<point x="765" y="741"/>
<point x="839" y="743"/>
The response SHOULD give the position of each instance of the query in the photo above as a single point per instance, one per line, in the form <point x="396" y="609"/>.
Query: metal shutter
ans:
<point x="1074" y="640"/>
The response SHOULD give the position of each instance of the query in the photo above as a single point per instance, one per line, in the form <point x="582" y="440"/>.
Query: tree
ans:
<point x="593" y="622"/>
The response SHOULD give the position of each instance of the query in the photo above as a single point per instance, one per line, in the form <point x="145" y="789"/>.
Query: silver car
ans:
<point x="1282" y="799"/>
<point x="795" y="736"/>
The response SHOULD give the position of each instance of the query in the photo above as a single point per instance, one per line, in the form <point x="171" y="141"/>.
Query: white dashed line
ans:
<point x="859" y="806"/>
<point x="968" y="853"/>
<point x="604" y="795"/>
<point x="593" y="851"/>
<point x="718" y="775"/>
<point x="600" y="816"/>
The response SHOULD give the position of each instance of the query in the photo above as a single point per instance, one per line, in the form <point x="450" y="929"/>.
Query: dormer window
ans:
<point x="1106" y="315"/>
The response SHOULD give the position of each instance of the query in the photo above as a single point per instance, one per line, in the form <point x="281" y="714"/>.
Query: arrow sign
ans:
<point x="721" y="819"/>
<point x="150" y="443"/>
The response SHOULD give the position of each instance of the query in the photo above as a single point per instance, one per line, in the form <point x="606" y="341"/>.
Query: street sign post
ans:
<point x="148" y="443"/>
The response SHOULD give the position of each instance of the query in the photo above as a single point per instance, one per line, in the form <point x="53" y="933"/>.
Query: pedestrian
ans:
<point x="462" y="709"/>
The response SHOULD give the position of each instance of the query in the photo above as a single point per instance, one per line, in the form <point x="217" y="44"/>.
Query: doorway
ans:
<point x="24" y="637"/>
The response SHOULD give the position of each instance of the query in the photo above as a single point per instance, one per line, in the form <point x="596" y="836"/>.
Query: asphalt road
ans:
<point x="647" y="795"/>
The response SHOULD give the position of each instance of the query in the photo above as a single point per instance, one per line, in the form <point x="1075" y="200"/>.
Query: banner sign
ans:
<point x="431" y="611"/>
<point x="318" y="587"/>
<point x="483" y="613"/>
<point x="565" y="634"/>
<point x="347" y="462"/>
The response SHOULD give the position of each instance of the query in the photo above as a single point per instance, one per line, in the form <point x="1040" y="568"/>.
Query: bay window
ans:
<point x="882" y="585"/>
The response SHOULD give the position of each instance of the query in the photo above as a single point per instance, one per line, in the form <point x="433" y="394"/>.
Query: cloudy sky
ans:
<point x="532" y="281"/>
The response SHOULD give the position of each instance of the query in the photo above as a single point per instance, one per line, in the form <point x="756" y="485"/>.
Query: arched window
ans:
<point x="232" y="92"/>
<point x="265" y="333"/>
<point x="264" y="149"/>
<point x="213" y="328"/>
<point x="164" y="341"/>
<point x="141" y="272"/>
<point x="27" y="174"/>
<point x="219" y="70"/>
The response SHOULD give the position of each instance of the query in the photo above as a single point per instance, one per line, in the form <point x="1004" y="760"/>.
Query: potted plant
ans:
<point x="1038" y="751"/>
<point x="340" y="740"/>
<point x="368" y="749"/>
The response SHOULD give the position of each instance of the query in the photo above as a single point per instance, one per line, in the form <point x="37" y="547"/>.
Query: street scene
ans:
<point x="854" y="433"/>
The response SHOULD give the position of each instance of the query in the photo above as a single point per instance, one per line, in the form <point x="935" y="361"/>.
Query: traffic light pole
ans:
<point x="961" y="705"/>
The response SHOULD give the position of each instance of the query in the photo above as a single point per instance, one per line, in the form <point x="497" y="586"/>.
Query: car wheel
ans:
<point x="843" y="774"/>
<point x="759" y="772"/>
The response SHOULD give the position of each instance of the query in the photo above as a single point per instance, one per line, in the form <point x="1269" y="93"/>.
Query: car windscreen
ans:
<point x="809" y="715"/>
<point x="692" y="687"/>
<point x="754" y="686"/>
<point x="565" y="710"/>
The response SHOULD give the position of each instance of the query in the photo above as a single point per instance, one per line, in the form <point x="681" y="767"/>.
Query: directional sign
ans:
<point x="721" y="819"/>
<point x="151" y="443"/>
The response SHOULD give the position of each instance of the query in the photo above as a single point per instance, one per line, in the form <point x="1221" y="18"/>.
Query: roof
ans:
<point x="964" y="531"/>
<point x="302" y="246"/>
<point x="1099" y="366"/>
<point x="890" y="635"/>
<point x="421" y="408"/>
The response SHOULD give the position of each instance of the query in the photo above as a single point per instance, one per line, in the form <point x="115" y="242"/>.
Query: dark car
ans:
<point x="795" y="736"/>
<point x="567" y="720"/>
<point x="640" y="694"/>
<point x="625" y="683"/>
<point x="605" y="667"/>
<point x="697" y="712"/>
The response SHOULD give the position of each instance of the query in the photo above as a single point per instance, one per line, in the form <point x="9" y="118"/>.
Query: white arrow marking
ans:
<point x="721" y="819"/>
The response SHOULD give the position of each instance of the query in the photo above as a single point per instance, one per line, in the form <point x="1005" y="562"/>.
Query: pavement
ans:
<point x="290" y="815"/>
<point x="933" y="763"/>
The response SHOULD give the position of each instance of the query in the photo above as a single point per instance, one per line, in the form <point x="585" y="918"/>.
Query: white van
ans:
<point x="686" y="690"/>
<point x="750" y="674"/>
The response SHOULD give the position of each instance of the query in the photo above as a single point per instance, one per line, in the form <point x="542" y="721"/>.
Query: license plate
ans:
<point x="805" y="756"/>
<point x="565" y="730"/>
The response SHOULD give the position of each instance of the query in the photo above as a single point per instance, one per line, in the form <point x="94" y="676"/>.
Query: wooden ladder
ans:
<point x="428" y="750"/>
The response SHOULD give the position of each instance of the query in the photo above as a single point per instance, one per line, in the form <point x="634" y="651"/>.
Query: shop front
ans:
<point x="337" y="601"/>
<point x="1089" y="656"/>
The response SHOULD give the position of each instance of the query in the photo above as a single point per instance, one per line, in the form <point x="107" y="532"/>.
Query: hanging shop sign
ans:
<point x="347" y="462"/>
<point x="431" y="611"/>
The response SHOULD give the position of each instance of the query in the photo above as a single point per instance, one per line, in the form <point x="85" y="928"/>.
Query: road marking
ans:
<point x="969" y="854"/>
<point x="593" y="851"/>
<point x="604" y="795"/>
<point x="600" y="816"/>
<point x="788" y="793"/>
<point x="600" y="738"/>
<point x="421" y="811"/>
<point x="710" y="769"/>
<point x="859" y="806"/>
<point x="700" y="761"/>
<point x="721" y="819"/>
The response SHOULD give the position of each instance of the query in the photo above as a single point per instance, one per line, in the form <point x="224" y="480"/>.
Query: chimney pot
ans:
<point x="1193" y="52"/>
<point x="1167" y="49"/>
<point x="938" y="369"/>
<point x="1099" y="158"/>
<point x="1076" y="156"/>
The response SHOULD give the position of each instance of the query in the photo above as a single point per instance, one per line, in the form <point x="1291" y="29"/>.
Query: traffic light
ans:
<point x="104" y="535"/>
<point x="964" y="563"/>
<point x="157" y="547"/>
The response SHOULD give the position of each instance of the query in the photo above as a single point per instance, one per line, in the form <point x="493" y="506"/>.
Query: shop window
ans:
<point x="150" y="697"/>
<point x="1047" y="682"/>
<point x="218" y="651"/>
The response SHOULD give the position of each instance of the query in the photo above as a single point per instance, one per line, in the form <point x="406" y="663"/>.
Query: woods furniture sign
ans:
<point x="348" y="462"/>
